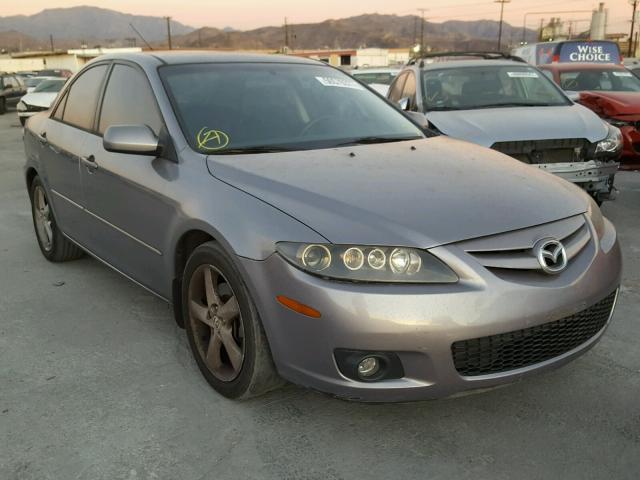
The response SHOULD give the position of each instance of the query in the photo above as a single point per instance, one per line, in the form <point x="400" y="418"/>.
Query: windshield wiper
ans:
<point x="373" y="139"/>
<point x="517" y="104"/>
<point x="442" y="109"/>
<point x="250" y="150"/>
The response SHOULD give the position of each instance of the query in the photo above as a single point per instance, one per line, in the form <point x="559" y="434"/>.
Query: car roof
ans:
<point x="472" y="63"/>
<point x="573" y="66"/>
<point x="174" y="57"/>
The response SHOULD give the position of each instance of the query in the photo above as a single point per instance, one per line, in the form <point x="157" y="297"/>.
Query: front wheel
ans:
<point x="3" y="105"/>
<point x="53" y="244"/>
<point x="223" y="326"/>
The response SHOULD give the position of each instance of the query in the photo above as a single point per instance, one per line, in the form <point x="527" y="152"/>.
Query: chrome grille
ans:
<point x="514" y="250"/>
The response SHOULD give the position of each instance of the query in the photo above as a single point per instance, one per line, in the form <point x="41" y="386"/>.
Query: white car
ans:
<point x="377" y="78"/>
<point x="40" y="98"/>
<point x="32" y="82"/>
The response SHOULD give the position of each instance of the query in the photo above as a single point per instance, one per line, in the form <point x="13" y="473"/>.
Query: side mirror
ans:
<point x="403" y="103"/>
<point x="135" y="139"/>
<point x="573" y="96"/>
<point x="418" y="118"/>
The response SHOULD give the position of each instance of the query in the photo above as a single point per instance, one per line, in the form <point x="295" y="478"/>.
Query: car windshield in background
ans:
<point x="254" y="108"/>
<point x="33" y="81"/>
<point x="489" y="86"/>
<point x="51" y="86"/>
<point x="613" y="80"/>
<point x="380" y="78"/>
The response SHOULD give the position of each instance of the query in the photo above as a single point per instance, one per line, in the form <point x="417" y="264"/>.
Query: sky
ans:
<point x="248" y="14"/>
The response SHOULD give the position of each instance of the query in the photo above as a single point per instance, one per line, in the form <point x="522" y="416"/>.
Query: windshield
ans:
<point x="33" y="81"/>
<point x="236" y="107"/>
<point x="52" y="86"/>
<point x="381" y="78"/>
<point x="466" y="88"/>
<point x="613" y="80"/>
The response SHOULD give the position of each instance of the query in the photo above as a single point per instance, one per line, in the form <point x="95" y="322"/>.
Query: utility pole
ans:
<point x="415" y="30"/>
<point x="286" y="36"/>
<point x="501" y="2"/>
<point x="634" y="3"/>
<point x="51" y="42"/>
<point x="422" y="10"/>
<point x="168" y="19"/>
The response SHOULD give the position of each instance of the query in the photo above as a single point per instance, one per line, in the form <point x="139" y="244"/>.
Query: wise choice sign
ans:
<point x="589" y="52"/>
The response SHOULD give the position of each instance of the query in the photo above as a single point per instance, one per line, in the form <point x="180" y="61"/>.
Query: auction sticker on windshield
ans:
<point x="522" y="74"/>
<point x="339" y="82"/>
<point x="622" y="74"/>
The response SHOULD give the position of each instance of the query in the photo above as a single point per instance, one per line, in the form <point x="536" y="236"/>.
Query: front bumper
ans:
<point x="419" y="322"/>
<point x="594" y="176"/>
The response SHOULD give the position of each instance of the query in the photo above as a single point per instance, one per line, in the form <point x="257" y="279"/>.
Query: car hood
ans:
<point x="488" y="126"/>
<point x="39" y="99"/>
<point x="440" y="191"/>
<point x="612" y="104"/>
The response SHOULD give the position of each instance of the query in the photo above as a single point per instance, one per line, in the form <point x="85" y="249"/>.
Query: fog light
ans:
<point x="368" y="367"/>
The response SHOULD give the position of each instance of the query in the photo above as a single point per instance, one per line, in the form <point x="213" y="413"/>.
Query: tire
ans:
<point x="53" y="244"/>
<point x="225" y="324"/>
<point x="23" y="120"/>
<point x="3" y="105"/>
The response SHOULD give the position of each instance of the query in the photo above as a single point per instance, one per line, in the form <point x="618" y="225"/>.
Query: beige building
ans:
<point x="72" y="60"/>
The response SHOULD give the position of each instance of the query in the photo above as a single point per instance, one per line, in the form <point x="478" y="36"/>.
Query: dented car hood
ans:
<point x="625" y="105"/>
<point x="488" y="126"/>
<point x="419" y="193"/>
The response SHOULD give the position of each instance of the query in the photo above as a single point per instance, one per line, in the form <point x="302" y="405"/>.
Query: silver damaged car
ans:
<point x="512" y="107"/>
<point x="304" y="229"/>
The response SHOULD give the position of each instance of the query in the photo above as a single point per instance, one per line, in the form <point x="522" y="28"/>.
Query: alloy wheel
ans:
<point x="216" y="323"/>
<point x="42" y="215"/>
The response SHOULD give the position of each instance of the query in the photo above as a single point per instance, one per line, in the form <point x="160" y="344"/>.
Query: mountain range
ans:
<point x="72" y="27"/>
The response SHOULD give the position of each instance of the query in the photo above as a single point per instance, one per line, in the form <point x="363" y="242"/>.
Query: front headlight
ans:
<point x="612" y="144"/>
<point x="595" y="215"/>
<point x="367" y="263"/>
<point x="21" y="107"/>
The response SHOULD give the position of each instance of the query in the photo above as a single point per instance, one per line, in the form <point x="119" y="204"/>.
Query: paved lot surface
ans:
<point x="96" y="382"/>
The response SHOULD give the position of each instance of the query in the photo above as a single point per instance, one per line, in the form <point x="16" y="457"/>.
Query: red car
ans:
<point x="611" y="91"/>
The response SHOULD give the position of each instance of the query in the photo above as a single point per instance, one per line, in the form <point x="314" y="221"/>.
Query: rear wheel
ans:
<point x="223" y="326"/>
<point x="53" y="244"/>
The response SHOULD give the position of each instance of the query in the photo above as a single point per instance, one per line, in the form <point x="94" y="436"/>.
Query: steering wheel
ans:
<point x="313" y="123"/>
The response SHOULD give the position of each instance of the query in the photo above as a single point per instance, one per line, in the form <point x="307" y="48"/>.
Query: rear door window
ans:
<point x="128" y="100"/>
<point x="83" y="96"/>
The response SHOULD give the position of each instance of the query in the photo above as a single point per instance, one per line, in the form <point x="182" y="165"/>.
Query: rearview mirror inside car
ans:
<point x="135" y="139"/>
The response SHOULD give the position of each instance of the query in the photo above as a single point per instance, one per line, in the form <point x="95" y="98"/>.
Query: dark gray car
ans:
<point x="305" y="229"/>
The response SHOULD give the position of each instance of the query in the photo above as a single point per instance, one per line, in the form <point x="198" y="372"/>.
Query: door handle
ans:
<point x="42" y="138"/>
<point x="90" y="163"/>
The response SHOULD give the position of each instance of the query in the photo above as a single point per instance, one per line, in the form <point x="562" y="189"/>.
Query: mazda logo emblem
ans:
<point x="551" y="255"/>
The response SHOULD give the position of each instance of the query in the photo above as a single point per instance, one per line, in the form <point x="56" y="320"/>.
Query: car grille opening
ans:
<point x="545" y="151"/>
<point x="521" y="348"/>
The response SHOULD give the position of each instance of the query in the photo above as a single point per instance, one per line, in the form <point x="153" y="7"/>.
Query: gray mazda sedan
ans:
<point x="305" y="229"/>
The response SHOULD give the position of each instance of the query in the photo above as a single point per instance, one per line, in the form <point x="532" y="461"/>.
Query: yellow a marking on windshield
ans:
<point x="211" y="140"/>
